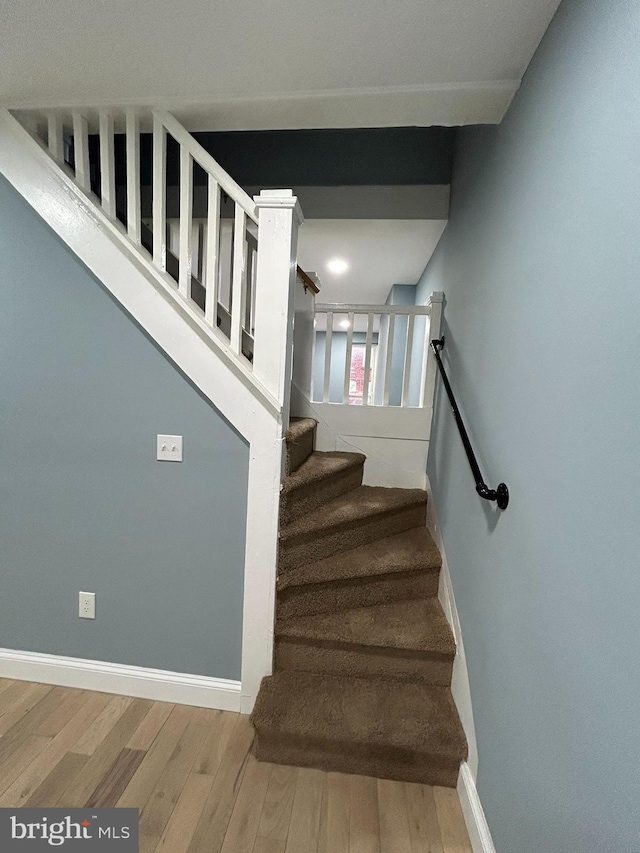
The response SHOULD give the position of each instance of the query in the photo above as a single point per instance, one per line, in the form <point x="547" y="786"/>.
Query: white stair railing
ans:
<point x="207" y="243"/>
<point x="394" y="367"/>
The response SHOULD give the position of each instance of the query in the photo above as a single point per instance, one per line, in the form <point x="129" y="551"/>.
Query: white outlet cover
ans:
<point x="87" y="605"/>
<point x="169" y="448"/>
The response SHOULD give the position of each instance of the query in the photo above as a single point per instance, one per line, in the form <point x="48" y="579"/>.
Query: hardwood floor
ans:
<point x="198" y="788"/>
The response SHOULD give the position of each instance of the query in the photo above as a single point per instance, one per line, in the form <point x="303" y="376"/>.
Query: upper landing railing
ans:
<point x="375" y="355"/>
<point x="200" y="231"/>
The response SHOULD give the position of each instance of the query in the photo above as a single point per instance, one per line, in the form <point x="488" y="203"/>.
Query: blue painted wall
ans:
<point x="400" y="294"/>
<point x="85" y="505"/>
<point x="540" y="266"/>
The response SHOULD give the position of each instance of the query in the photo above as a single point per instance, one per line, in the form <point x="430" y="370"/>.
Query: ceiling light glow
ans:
<point x="345" y="324"/>
<point x="337" y="266"/>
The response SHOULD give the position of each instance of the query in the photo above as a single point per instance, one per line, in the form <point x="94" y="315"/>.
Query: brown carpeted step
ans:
<point x="300" y="439"/>
<point x="407" y="640"/>
<point x="320" y="478"/>
<point x="392" y="730"/>
<point x="399" y="568"/>
<point x="357" y="518"/>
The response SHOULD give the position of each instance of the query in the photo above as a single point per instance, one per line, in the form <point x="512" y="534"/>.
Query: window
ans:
<point x="356" y="374"/>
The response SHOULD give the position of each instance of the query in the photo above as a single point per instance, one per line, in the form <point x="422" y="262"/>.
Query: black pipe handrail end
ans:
<point x="502" y="496"/>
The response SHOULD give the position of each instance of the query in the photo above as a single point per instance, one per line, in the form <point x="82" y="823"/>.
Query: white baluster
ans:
<point x="238" y="282"/>
<point x="388" y="360"/>
<point x="212" y="250"/>
<point x="347" y="359"/>
<point x="55" y="137"/>
<point x="429" y="366"/>
<point x="81" y="151"/>
<point x="133" y="175"/>
<point x="107" y="165"/>
<point x="328" y="347"/>
<point x="159" y="194"/>
<point x="252" y="245"/>
<point x="186" y="213"/>
<point x="367" y="360"/>
<point x="408" y="353"/>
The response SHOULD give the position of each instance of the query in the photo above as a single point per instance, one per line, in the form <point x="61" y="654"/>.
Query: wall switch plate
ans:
<point x="87" y="605"/>
<point x="169" y="448"/>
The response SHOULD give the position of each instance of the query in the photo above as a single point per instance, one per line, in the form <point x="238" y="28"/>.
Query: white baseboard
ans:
<point x="460" y="688"/>
<point x="477" y="826"/>
<point x="157" y="684"/>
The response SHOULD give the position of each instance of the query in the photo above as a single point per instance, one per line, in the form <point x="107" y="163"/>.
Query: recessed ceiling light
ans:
<point x="345" y="324"/>
<point x="337" y="266"/>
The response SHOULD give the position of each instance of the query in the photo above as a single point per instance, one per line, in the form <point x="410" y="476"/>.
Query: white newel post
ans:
<point x="303" y="342"/>
<point x="435" y="303"/>
<point x="279" y="218"/>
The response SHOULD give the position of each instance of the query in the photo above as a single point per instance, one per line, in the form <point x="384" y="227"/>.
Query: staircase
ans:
<point x="363" y="651"/>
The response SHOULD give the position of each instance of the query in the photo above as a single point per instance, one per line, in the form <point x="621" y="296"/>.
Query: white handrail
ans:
<point x="208" y="163"/>
<point x="348" y="308"/>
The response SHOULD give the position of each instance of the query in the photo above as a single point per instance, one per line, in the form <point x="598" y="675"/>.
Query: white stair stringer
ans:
<point x="197" y="350"/>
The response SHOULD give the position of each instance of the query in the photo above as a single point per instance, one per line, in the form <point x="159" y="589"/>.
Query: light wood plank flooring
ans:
<point x="198" y="788"/>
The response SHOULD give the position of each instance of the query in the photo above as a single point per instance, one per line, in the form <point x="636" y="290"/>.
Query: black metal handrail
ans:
<point x="499" y="495"/>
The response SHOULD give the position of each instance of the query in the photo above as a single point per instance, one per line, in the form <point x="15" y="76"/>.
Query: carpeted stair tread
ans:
<point x="371" y="713"/>
<point x="411" y="550"/>
<point x="320" y="465"/>
<point x="320" y="478"/>
<point x="298" y="427"/>
<point x="299" y="439"/>
<point x="418" y="626"/>
<point x="341" y="513"/>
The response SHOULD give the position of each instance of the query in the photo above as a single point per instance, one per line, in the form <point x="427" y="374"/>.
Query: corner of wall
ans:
<point x="460" y="682"/>
<point x="477" y="826"/>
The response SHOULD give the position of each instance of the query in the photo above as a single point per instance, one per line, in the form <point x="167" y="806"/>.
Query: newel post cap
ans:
<point x="280" y="199"/>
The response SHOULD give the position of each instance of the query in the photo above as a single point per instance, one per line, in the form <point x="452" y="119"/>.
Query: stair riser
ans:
<point x="330" y="597"/>
<point x="358" y="662"/>
<point x="366" y="761"/>
<point x="295" y="504"/>
<point x="299" y="450"/>
<point x="361" y="533"/>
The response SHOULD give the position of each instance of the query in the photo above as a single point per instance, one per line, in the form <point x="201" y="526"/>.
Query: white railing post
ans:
<point x="107" y="165"/>
<point x="133" y="175"/>
<point x="81" y="151"/>
<point x="279" y="219"/>
<point x="55" y="136"/>
<point x="159" y="194"/>
<point x="435" y="303"/>
<point x="304" y="337"/>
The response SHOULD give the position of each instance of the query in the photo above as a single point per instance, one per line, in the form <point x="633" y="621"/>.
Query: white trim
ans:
<point x="157" y="684"/>
<point x="460" y="688"/>
<point x="477" y="826"/>
<point x="345" y="308"/>
<point x="204" y="100"/>
<point x="474" y="816"/>
<point x="448" y="104"/>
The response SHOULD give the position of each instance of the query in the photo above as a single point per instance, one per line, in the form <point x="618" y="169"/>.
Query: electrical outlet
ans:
<point x="87" y="605"/>
<point x="169" y="448"/>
